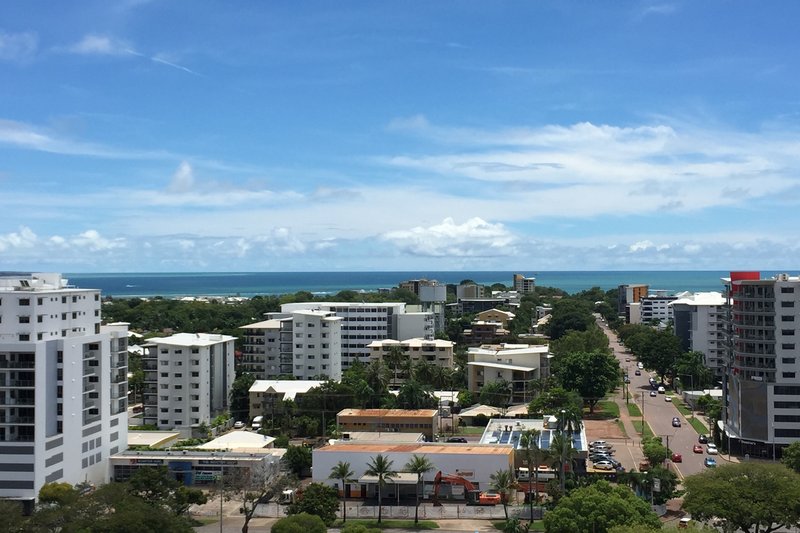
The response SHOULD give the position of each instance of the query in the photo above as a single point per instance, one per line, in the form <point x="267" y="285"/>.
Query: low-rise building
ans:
<point x="437" y="351"/>
<point x="267" y="396"/>
<point x="425" y="421"/>
<point x="482" y="332"/>
<point x="516" y="364"/>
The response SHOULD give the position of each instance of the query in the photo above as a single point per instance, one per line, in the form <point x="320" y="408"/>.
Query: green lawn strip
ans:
<point x="638" y="425"/>
<point x="682" y="407"/>
<point x="698" y="426"/>
<point x="622" y="428"/>
<point x="538" y="525"/>
<point x="394" y="524"/>
<point x="634" y="410"/>
<point x="609" y="408"/>
<point x="471" y="430"/>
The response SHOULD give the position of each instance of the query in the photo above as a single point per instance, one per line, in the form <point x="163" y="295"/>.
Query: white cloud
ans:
<point x="92" y="240"/>
<point x="183" y="179"/>
<point x="94" y="44"/>
<point x="24" y="238"/>
<point x="474" y="238"/>
<point x="18" y="47"/>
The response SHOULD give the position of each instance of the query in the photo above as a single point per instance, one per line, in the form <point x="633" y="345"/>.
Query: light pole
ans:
<point x="640" y="442"/>
<point x="773" y="442"/>
<point x="563" y="448"/>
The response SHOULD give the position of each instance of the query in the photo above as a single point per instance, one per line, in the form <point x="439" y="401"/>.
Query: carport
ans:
<point x="400" y="482"/>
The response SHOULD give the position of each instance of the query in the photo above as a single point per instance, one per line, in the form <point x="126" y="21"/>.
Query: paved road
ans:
<point x="659" y="413"/>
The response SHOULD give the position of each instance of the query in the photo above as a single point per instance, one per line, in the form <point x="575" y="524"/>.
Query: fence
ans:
<point x="426" y="511"/>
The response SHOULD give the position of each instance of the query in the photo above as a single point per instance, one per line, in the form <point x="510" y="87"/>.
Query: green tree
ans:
<point x="592" y="375"/>
<point x="661" y="352"/>
<point x="791" y="456"/>
<point x="240" y="396"/>
<point x="643" y="482"/>
<point x="419" y="465"/>
<point x="344" y="474"/>
<point x="380" y="467"/>
<point x="414" y="395"/>
<point x="156" y="486"/>
<point x="496" y="393"/>
<point x="591" y="340"/>
<point x="298" y="459"/>
<point x="503" y="482"/>
<point x="654" y="450"/>
<point x="13" y="521"/>
<point x="569" y="314"/>
<point x="554" y="400"/>
<point x="57" y="494"/>
<point x="760" y="497"/>
<point x="299" y="523"/>
<point x="562" y="453"/>
<point x="599" y="507"/>
<point x="251" y="489"/>
<point x="534" y="456"/>
<point x="318" y="499"/>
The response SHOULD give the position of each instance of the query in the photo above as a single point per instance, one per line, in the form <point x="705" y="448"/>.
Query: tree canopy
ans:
<point x="569" y="314"/>
<point x="590" y="374"/>
<point x="319" y="500"/>
<point x="754" y="497"/>
<point x="599" y="507"/>
<point x="791" y="456"/>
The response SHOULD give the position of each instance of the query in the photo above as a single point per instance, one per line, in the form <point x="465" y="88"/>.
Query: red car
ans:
<point x="697" y="448"/>
<point x="677" y="458"/>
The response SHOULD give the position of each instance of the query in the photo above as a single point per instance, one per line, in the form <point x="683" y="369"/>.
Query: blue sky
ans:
<point x="268" y="136"/>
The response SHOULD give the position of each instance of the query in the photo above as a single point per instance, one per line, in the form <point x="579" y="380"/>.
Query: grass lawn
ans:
<point x="634" y="410"/>
<point x="683" y="408"/>
<point x="538" y="525"/>
<point x="698" y="425"/>
<point x="622" y="428"/>
<point x="638" y="425"/>
<point x="605" y="409"/>
<point x="395" y="524"/>
<point x="470" y="430"/>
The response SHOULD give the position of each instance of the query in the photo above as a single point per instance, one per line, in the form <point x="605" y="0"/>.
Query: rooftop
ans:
<point x="275" y="323"/>
<point x="288" y="387"/>
<point x="701" y="298"/>
<point x="236" y="440"/>
<point x="386" y="413"/>
<point x="503" y="366"/>
<point x="154" y="439"/>
<point x="424" y="448"/>
<point x="192" y="339"/>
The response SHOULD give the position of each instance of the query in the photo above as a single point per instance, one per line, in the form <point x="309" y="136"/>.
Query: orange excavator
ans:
<point x="474" y="496"/>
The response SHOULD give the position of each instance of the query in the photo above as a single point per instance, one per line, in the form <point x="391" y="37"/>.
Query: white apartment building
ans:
<point x="363" y="323"/>
<point x="63" y="385"/>
<point x="188" y="377"/>
<point x="699" y="322"/>
<point x="762" y="389"/>
<point x="656" y="306"/>
<point x="304" y="344"/>
<point x="517" y="364"/>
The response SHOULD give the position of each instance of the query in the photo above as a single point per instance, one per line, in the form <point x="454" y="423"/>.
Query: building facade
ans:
<point x="425" y="421"/>
<point x="524" y="285"/>
<point x="656" y="307"/>
<point x="699" y="322"/>
<point x="628" y="294"/>
<point x="63" y="385"/>
<point x="188" y="377"/>
<point x="762" y="389"/>
<point x="438" y="352"/>
<point x="516" y="364"/>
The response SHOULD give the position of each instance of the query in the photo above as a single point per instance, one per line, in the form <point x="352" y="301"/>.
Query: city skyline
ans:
<point x="153" y="136"/>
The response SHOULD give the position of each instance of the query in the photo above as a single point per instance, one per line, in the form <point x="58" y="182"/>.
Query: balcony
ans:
<point x="17" y="383"/>
<point x="28" y="365"/>
<point x="17" y="420"/>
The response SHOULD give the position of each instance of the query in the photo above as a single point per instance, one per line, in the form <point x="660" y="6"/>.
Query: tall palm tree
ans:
<point x="343" y="473"/>
<point x="503" y="482"/>
<point x="419" y="465"/>
<point x="529" y="445"/>
<point x="380" y="467"/>
<point x="562" y="452"/>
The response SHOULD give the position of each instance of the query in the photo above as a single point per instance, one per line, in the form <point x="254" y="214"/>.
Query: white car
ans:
<point x="604" y="465"/>
<point x="640" y="365"/>
<point x="667" y="398"/>
<point x="712" y="449"/>
<point x="238" y="425"/>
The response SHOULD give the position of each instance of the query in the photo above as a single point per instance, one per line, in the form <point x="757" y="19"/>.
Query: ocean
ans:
<point x="269" y="283"/>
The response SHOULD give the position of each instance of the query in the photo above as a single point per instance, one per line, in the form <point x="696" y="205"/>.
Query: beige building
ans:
<point x="517" y="364"/>
<point x="267" y="395"/>
<point x="496" y="315"/>
<point x="425" y="421"/>
<point x="437" y="351"/>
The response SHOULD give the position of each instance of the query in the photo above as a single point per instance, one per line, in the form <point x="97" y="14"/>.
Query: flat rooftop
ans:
<point x="389" y="413"/>
<point x="425" y="448"/>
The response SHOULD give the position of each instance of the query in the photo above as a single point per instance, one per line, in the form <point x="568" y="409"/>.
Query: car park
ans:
<point x="604" y="465"/>
<point x="710" y="462"/>
<point x="702" y="439"/>
<point x="697" y="448"/>
<point x="677" y="458"/>
<point x="711" y="449"/>
<point x="653" y="393"/>
<point x="676" y="422"/>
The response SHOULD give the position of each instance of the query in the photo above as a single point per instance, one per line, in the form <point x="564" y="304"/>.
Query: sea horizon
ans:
<point x="249" y="284"/>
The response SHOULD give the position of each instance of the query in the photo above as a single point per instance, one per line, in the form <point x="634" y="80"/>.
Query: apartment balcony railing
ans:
<point x="29" y="365"/>
<point x="17" y="383"/>
<point x="17" y="420"/>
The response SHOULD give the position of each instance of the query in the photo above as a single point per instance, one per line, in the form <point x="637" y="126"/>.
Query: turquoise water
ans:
<point x="254" y="283"/>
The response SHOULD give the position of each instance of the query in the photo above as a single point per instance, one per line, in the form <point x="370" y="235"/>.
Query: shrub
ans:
<point x="299" y="523"/>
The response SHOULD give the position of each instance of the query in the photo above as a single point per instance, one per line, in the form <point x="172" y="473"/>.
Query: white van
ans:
<point x="662" y="390"/>
<point x="257" y="422"/>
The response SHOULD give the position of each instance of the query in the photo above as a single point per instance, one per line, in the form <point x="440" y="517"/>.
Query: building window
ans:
<point x="788" y="346"/>
<point x="24" y="320"/>
<point x="788" y="303"/>
<point x="788" y="360"/>
<point x="789" y="375"/>
<point x="24" y="337"/>
<point x="195" y="350"/>
<point x="787" y="290"/>
<point x="24" y="301"/>
<point x="787" y="318"/>
<point x="787" y="332"/>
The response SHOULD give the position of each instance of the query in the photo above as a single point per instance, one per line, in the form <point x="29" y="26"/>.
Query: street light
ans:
<point x="563" y="448"/>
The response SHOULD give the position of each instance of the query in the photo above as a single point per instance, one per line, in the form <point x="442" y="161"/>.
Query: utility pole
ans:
<point x="642" y="415"/>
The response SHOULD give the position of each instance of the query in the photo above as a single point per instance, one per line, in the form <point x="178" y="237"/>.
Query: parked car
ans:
<point x="238" y="425"/>
<point x="677" y="458"/>
<point x="697" y="448"/>
<point x="711" y="449"/>
<point x="626" y="379"/>
<point x="640" y="365"/>
<point x="604" y="465"/>
<point x="638" y="373"/>
<point x="599" y="458"/>
<point x="461" y="440"/>
<point x="608" y="450"/>
<point x="662" y="390"/>
<point x="653" y="393"/>
<point x="702" y="439"/>
<point x="676" y="422"/>
<point x="667" y="398"/>
<point x="598" y="443"/>
<point x="710" y="462"/>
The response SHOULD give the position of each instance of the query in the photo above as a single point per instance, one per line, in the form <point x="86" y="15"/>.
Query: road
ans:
<point x="659" y="413"/>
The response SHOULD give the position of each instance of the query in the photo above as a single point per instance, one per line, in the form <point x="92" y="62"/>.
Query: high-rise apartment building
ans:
<point x="187" y="379"/>
<point x="762" y="389"/>
<point x="629" y="294"/>
<point x="363" y="323"/>
<point x="699" y="322"/>
<point x="63" y="385"/>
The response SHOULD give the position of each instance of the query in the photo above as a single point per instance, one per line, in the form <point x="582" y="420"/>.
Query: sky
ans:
<point x="180" y="136"/>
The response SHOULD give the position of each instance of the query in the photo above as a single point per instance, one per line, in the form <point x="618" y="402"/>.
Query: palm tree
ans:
<point x="529" y="445"/>
<point x="419" y="465"/>
<point x="503" y="482"/>
<point x="562" y="452"/>
<point x="343" y="473"/>
<point x="380" y="467"/>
